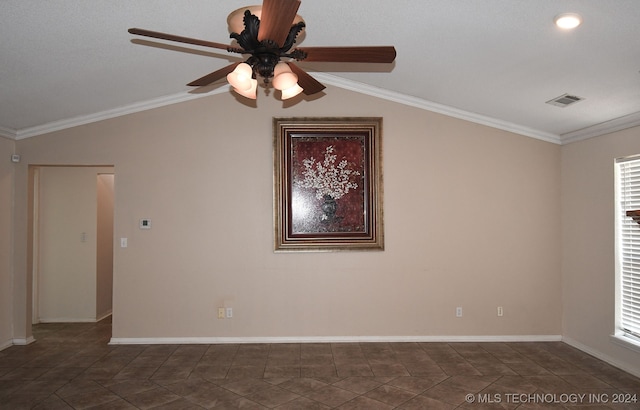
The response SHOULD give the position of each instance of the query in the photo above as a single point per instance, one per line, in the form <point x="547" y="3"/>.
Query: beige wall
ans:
<point x="471" y="220"/>
<point x="6" y="223"/>
<point x="588" y="244"/>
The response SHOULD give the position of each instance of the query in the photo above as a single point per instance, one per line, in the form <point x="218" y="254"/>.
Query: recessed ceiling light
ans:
<point x="568" y="20"/>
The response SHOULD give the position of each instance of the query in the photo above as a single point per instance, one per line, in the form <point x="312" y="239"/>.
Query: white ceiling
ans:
<point x="66" y="62"/>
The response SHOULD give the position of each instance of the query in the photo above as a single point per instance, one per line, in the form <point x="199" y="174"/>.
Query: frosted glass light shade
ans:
<point x="250" y="92"/>
<point x="291" y="92"/>
<point x="240" y="77"/>
<point x="283" y="77"/>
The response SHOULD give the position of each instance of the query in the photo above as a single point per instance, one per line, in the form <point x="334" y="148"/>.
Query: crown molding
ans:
<point x="618" y="124"/>
<point x="607" y="127"/>
<point x="108" y="114"/>
<point x="434" y="107"/>
<point x="8" y="133"/>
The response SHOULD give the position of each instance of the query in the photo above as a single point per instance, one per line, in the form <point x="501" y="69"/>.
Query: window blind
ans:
<point x="629" y="245"/>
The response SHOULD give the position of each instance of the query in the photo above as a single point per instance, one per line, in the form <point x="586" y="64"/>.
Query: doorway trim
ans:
<point x="33" y="200"/>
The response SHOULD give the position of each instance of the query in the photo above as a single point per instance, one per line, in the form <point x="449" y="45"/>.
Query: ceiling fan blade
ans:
<point x="382" y="54"/>
<point x="180" y="39"/>
<point x="276" y="19"/>
<point x="213" y="77"/>
<point x="309" y="84"/>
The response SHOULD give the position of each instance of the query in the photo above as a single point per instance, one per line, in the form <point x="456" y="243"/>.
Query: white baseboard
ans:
<point x="333" y="339"/>
<point x="606" y="358"/>
<point x="67" y="320"/>
<point x="24" y="342"/>
<point x="75" y="319"/>
<point x="17" y="342"/>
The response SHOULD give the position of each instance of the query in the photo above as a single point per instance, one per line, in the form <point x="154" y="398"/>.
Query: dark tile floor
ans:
<point x="71" y="366"/>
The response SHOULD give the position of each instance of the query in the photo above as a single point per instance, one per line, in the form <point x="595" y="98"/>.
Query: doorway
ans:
<point x="72" y="243"/>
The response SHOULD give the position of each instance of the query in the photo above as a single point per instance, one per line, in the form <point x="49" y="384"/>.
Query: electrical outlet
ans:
<point x="229" y="313"/>
<point x="459" y="311"/>
<point x="220" y="313"/>
<point x="500" y="311"/>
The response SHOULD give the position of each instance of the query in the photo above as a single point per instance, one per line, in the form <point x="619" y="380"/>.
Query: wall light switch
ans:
<point x="123" y="242"/>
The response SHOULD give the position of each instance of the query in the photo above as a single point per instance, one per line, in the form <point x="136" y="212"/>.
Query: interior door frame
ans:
<point x="33" y="239"/>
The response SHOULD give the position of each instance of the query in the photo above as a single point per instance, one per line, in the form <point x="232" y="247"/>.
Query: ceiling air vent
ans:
<point x="565" y="100"/>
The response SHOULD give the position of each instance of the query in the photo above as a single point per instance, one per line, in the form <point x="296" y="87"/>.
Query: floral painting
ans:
<point x="329" y="185"/>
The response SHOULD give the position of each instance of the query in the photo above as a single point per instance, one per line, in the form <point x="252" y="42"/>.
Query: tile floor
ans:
<point x="72" y="367"/>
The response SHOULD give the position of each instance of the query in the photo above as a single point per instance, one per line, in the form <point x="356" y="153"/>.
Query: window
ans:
<point x="628" y="247"/>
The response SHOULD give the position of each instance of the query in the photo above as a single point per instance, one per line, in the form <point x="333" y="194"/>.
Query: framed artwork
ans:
<point x="328" y="184"/>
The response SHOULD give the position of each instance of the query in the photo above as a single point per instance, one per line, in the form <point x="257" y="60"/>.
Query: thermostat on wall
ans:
<point x="145" y="224"/>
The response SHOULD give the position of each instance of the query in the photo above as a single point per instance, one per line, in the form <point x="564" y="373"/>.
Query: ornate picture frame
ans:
<point x="328" y="184"/>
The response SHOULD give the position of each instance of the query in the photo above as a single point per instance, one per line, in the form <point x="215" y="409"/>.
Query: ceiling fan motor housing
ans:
<point x="263" y="65"/>
<point x="267" y="53"/>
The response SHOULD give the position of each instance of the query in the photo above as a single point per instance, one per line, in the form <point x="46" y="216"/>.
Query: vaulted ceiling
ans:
<point x="497" y="62"/>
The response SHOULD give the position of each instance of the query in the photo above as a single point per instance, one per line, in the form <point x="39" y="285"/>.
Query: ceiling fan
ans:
<point x="268" y="34"/>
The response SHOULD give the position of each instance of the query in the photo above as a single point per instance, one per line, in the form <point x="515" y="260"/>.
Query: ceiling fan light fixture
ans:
<point x="283" y="77"/>
<point x="568" y="21"/>
<point x="291" y="92"/>
<point x="267" y="39"/>
<point x="251" y="92"/>
<point x="240" y="78"/>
